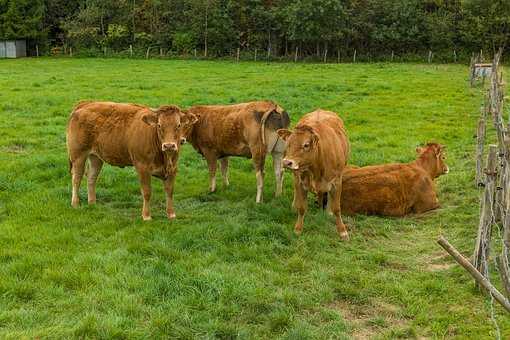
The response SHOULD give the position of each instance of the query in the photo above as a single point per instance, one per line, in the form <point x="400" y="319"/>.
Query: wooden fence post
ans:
<point x="480" y="139"/>
<point x="430" y="56"/>
<point x="354" y="56"/>
<point x="148" y="52"/>
<point x="195" y="52"/>
<point x="104" y="50"/>
<point x="482" y="247"/>
<point x="255" y="54"/>
<point x="71" y="51"/>
<point x="37" y="50"/>
<point x="237" y="56"/>
<point x="392" y="55"/>
<point x="454" y="56"/>
<point x="326" y="54"/>
<point x="131" y="50"/>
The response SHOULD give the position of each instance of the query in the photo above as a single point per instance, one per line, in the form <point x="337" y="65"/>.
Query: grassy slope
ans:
<point x="228" y="267"/>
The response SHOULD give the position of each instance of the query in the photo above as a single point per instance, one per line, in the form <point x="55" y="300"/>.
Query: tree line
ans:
<point x="276" y="28"/>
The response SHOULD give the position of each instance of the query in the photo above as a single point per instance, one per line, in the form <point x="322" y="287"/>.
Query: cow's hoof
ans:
<point x="298" y="231"/>
<point x="344" y="236"/>
<point x="171" y="216"/>
<point x="147" y="218"/>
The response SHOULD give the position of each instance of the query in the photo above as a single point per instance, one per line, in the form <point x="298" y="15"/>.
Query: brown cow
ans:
<point x="126" y="135"/>
<point x="245" y="130"/>
<point x="395" y="189"/>
<point x="317" y="152"/>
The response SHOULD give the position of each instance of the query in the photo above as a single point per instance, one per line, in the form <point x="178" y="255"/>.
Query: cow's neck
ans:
<point x="426" y="165"/>
<point x="167" y="161"/>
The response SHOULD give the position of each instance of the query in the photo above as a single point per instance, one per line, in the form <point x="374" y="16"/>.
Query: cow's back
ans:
<point x="231" y="130"/>
<point x="389" y="190"/>
<point x="107" y="129"/>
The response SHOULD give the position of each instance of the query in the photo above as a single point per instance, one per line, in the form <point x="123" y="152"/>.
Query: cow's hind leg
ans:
<point x="224" y="171"/>
<point x="258" y="161"/>
<point x="145" y="185"/>
<point x="77" y="170"/>
<point x="95" y="168"/>
<point x="335" y="201"/>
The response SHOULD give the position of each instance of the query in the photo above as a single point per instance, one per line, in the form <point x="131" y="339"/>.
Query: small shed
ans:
<point x="13" y="48"/>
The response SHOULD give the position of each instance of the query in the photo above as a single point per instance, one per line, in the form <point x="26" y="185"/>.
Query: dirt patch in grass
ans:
<point x="438" y="262"/>
<point x="370" y="320"/>
<point x="14" y="148"/>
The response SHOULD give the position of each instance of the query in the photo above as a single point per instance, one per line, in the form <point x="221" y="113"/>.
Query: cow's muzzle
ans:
<point x="290" y="164"/>
<point x="169" y="147"/>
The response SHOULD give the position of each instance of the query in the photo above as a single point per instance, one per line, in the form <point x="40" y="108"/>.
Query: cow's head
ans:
<point x="433" y="158"/>
<point x="171" y="125"/>
<point x="301" y="147"/>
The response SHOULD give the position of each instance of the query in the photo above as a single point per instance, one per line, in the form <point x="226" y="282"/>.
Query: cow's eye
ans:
<point x="159" y="126"/>
<point x="179" y="125"/>
<point x="306" y="145"/>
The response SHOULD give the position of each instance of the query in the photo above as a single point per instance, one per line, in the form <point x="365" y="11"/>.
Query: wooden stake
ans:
<point x="195" y="52"/>
<point x="480" y="139"/>
<point x="71" y="51"/>
<point x="325" y="54"/>
<point x="148" y="52"/>
<point x="354" y="57"/>
<point x="161" y="51"/>
<point x="454" y="56"/>
<point x="296" y="54"/>
<point x="131" y="50"/>
<point x="430" y="56"/>
<point x="256" y="54"/>
<point x="479" y="278"/>
<point x="104" y="50"/>
<point x="482" y="247"/>
<point x="392" y="55"/>
<point x="237" y="57"/>
<point x="37" y="50"/>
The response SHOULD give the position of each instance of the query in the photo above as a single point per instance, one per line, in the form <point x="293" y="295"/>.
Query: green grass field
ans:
<point x="227" y="267"/>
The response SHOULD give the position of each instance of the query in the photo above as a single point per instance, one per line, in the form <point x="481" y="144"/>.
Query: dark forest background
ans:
<point x="276" y="28"/>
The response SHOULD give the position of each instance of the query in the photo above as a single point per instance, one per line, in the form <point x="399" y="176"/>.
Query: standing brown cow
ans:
<point x="317" y="152"/>
<point x="395" y="189"/>
<point x="245" y="130"/>
<point x="126" y="135"/>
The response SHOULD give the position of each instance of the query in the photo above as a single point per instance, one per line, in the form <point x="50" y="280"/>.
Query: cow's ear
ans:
<point x="284" y="133"/>
<point x="420" y="150"/>
<point x="189" y="118"/>
<point x="150" y="119"/>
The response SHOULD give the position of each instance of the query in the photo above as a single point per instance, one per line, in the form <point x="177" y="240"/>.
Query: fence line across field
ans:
<point x="494" y="183"/>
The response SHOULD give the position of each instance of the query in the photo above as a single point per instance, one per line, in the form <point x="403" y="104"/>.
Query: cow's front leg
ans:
<point x="335" y="196"/>
<point x="300" y="204"/>
<point x="169" y="190"/>
<point x="224" y="171"/>
<point x="145" y="185"/>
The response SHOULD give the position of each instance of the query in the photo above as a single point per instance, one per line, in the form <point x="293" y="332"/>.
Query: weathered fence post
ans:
<point x="296" y="54"/>
<point x="71" y="51"/>
<point x="503" y="259"/>
<point x="480" y="139"/>
<point x="430" y="56"/>
<point x="195" y="53"/>
<point x="131" y="51"/>
<point x="482" y="247"/>
<point x="454" y="56"/>
<point x="148" y="52"/>
<point x="354" y="56"/>
<point x="392" y="55"/>
<point x="104" y="50"/>
<point x="37" y="50"/>
<point x="255" y="54"/>
<point x="161" y="51"/>
<point x="326" y="54"/>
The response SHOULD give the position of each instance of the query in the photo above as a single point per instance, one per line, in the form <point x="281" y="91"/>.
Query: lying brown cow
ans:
<point x="395" y="189"/>
<point x="245" y="130"/>
<point x="317" y="152"/>
<point x="125" y="135"/>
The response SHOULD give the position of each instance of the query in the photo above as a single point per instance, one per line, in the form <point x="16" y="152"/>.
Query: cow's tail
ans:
<point x="263" y="125"/>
